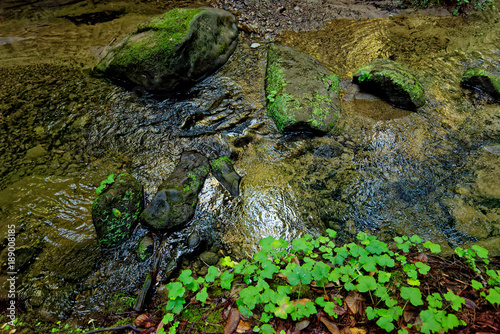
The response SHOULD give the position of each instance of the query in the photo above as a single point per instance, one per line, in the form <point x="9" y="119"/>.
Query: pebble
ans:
<point x="254" y="45"/>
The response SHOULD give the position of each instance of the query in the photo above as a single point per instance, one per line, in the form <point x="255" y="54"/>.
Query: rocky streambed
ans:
<point x="389" y="171"/>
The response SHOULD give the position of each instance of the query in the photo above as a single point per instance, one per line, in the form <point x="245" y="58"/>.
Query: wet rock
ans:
<point x="26" y="253"/>
<point x="35" y="153"/>
<point x="58" y="305"/>
<point x="173" y="50"/>
<point x="479" y="78"/>
<point x="486" y="189"/>
<point x="145" y="248"/>
<point x="468" y="220"/>
<point x="115" y="211"/>
<point x="491" y="244"/>
<point x="223" y="171"/>
<point x="71" y="261"/>
<point x="209" y="258"/>
<point x="301" y="93"/>
<point x="175" y="202"/>
<point x="194" y="240"/>
<point x="393" y="82"/>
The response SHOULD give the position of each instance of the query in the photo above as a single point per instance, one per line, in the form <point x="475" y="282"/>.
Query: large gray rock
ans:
<point x="301" y="93"/>
<point x="116" y="210"/>
<point x="392" y="82"/>
<point x="175" y="202"/>
<point x="173" y="50"/>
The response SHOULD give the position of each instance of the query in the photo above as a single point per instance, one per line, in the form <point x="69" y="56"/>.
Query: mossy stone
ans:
<point x="116" y="210"/>
<point x="479" y="78"/>
<point x="302" y="95"/>
<point x="392" y="82"/>
<point x="223" y="171"/>
<point x="173" y="50"/>
<point x="175" y="202"/>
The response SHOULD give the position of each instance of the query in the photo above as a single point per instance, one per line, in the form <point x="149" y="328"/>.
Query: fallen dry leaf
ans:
<point x="355" y="302"/>
<point x="330" y="325"/>
<point x="160" y="326"/>
<point x="232" y="321"/>
<point x="422" y="257"/>
<point x="145" y="321"/>
<point x="470" y="304"/>
<point x="243" y="326"/>
<point x="356" y="330"/>
<point x="408" y="316"/>
<point x="346" y="330"/>
<point x="302" y="325"/>
<point x="302" y="301"/>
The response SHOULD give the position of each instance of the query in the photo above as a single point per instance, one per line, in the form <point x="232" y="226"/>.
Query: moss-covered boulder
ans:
<point x="392" y="82"/>
<point x="173" y="50"/>
<point x="223" y="171"/>
<point x="175" y="202"/>
<point x="301" y="93"/>
<point x="116" y="210"/>
<point x="479" y="78"/>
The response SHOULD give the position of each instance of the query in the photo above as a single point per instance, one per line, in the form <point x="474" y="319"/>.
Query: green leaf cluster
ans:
<point x="277" y="281"/>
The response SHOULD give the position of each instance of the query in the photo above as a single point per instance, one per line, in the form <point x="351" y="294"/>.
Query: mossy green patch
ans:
<point x="217" y="164"/>
<point x="482" y="79"/>
<point x="278" y="103"/>
<point x="301" y="94"/>
<point x="169" y="30"/>
<point x="393" y="82"/>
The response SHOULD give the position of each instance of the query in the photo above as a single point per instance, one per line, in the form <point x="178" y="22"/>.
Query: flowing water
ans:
<point x="434" y="172"/>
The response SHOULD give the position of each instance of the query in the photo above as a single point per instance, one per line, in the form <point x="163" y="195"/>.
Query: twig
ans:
<point x="112" y="329"/>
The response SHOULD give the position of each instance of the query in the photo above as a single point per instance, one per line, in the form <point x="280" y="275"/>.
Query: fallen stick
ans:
<point x="112" y="329"/>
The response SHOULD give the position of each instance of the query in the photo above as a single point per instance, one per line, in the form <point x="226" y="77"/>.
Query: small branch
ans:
<point x="121" y="328"/>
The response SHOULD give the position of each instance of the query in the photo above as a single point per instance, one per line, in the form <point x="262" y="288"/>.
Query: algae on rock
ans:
<point x="301" y="93"/>
<point x="392" y="82"/>
<point x="116" y="210"/>
<point x="479" y="78"/>
<point x="174" y="50"/>
<point x="175" y="202"/>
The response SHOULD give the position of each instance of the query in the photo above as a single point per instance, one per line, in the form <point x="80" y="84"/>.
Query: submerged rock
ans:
<point x="175" y="202"/>
<point x="479" y="78"/>
<point x="392" y="82"/>
<point x="116" y="210"/>
<point x="223" y="171"/>
<point x="301" y="93"/>
<point x="145" y="248"/>
<point x="173" y="50"/>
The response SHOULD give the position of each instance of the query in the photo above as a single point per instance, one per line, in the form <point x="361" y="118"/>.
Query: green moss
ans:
<point x="194" y="183"/>
<point x="332" y="83"/>
<point x="404" y="80"/>
<point x="320" y="113"/>
<point x="214" y="322"/>
<point x="169" y="30"/>
<point x="481" y="72"/>
<point x="216" y="165"/>
<point x="121" y="303"/>
<point x="279" y="104"/>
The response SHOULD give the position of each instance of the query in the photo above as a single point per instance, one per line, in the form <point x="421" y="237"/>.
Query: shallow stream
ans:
<point x="434" y="172"/>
